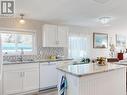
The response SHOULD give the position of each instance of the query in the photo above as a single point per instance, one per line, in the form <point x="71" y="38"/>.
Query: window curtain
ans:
<point x="78" y="45"/>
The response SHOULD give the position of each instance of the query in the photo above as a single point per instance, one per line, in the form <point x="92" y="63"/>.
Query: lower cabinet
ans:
<point x="12" y="82"/>
<point x="25" y="78"/>
<point x="20" y="81"/>
<point x="31" y="80"/>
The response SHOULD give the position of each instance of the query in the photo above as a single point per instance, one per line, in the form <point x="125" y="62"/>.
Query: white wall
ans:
<point x="93" y="52"/>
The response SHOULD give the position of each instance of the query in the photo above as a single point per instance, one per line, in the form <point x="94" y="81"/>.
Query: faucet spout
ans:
<point x="20" y="58"/>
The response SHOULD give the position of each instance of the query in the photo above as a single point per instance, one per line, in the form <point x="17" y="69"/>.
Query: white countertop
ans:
<point x="122" y="62"/>
<point x="88" y="69"/>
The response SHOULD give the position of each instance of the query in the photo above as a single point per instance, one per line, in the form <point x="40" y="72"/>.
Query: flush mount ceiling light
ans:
<point x="104" y="20"/>
<point x="22" y="21"/>
<point x="101" y="1"/>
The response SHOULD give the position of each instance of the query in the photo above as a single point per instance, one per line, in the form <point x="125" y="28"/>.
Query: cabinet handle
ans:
<point x="23" y="74"/>
<point x="20" y="74"/>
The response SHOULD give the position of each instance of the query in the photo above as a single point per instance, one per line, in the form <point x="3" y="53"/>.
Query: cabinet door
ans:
<point x="48" y="75"/>
<point x="49" y="35"/>
<point x="1" y="80"/>
<point x="30" y="80"/>
<point x="0" y="86"/>
<point x="63" y="36"/>
<point x="12" y="82"/>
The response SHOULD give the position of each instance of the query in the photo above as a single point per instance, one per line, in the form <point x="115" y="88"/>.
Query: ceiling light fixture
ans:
<point x="22" y="21"/>
<point x="104" y="20"/>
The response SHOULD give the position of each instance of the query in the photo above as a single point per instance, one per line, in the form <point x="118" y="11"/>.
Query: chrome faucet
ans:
<point x="20" y="58"/>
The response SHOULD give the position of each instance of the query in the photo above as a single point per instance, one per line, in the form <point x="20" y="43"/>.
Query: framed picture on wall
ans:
<point x="120" y="40"/>
<point x="100" y="40"/>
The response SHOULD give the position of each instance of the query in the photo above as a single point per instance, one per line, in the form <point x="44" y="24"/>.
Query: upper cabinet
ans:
<point x="55" y="36"/>
<point x="49" y="35"/>
<point x="62" y="36"/>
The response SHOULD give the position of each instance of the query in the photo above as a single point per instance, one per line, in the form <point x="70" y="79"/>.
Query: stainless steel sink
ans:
<point x="79" y="63"/>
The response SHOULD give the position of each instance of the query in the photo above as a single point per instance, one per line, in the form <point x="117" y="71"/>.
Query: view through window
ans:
<point x="14" y="42"/>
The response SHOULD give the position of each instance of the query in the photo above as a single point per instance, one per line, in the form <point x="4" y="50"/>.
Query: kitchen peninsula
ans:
<point x="92" y="79"/>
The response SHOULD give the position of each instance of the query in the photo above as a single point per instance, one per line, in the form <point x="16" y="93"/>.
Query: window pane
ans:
<point x="8" y="42"/>
<point x="15" y="41"/>
<point x="25" y="42"/>
<point x="77" y="47"/>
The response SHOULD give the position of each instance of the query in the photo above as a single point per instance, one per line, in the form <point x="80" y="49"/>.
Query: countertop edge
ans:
<point x="87" y="74"/>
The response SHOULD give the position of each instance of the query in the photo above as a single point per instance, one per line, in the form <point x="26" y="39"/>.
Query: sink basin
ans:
<point x="79" y="63"/>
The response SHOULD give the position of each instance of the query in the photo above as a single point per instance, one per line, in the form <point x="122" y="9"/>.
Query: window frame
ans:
<point x="34" y="42"/>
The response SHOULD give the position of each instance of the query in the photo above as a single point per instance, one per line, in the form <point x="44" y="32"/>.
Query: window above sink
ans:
<point x="14" y="41"/>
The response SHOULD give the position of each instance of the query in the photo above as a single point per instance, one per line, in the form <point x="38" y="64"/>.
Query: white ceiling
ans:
<point x="76" y="12"/>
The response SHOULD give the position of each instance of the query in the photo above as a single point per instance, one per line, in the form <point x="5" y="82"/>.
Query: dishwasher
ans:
<point x="48" y="75"/>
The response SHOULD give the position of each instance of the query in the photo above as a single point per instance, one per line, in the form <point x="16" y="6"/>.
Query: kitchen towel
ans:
<point x="63" y="86"/>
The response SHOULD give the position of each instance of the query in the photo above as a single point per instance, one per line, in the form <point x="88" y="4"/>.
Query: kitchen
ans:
<point x="36" y="45"/>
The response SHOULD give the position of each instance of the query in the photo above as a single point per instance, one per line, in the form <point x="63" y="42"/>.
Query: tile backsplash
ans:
<point x="43" y="53"/>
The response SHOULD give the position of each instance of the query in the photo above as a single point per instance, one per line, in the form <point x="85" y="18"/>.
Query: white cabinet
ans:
<point x="0" y="80"/>
<point x="1" y="87"/>
<point x="20" y="78"/>
<point x="62" y="36"/>
<point x="30" y="79"/>
<point x="48" y="75"/>
<point x="49" y="35"/>
<point x="12" y="82"/>
<point x="55" y="36"/>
